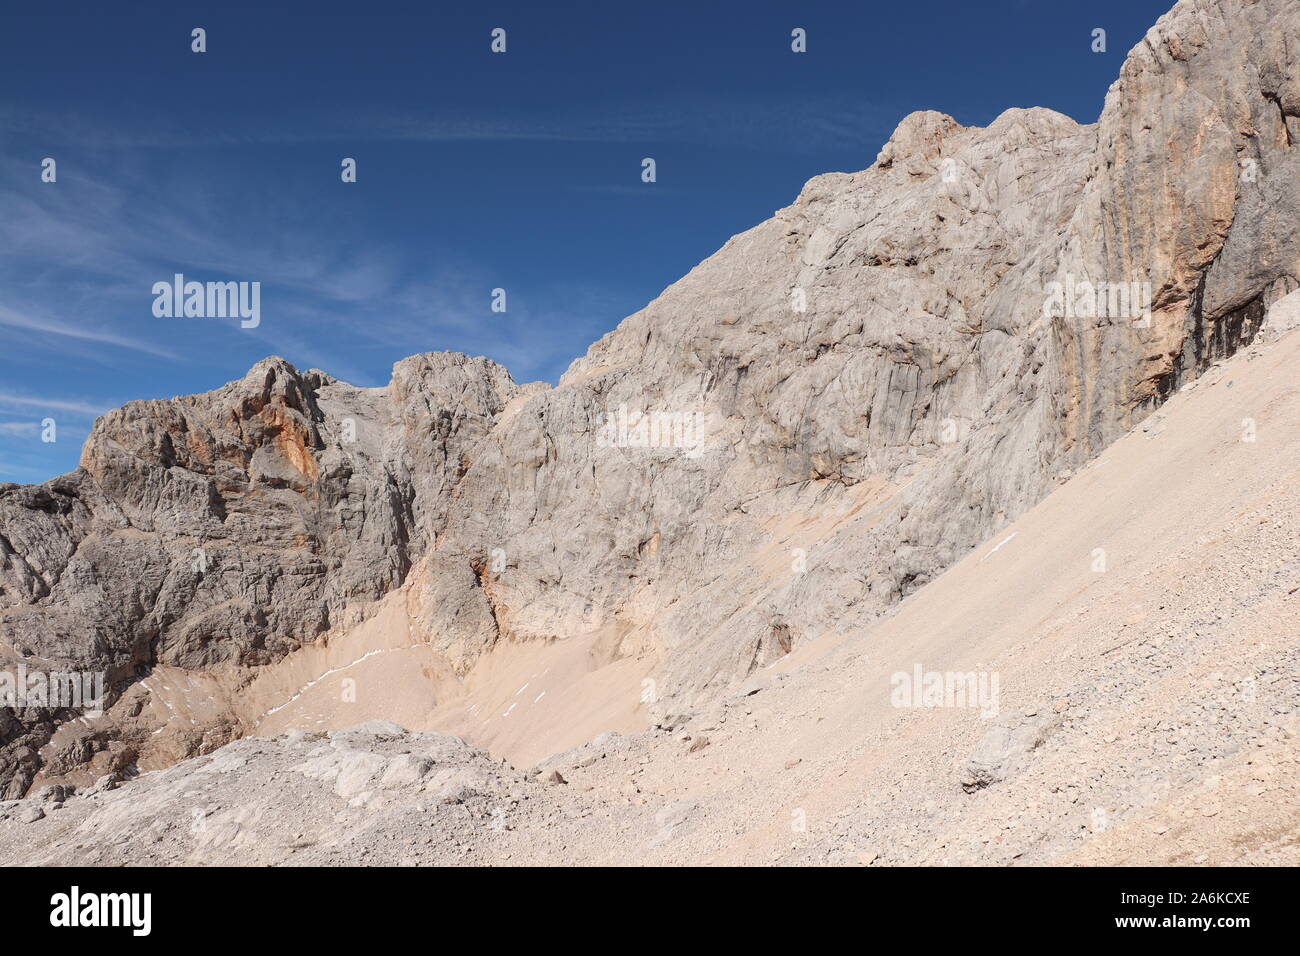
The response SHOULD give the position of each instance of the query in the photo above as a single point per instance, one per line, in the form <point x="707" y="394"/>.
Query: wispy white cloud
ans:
<point x="84" y="260"/>
<point x="783" y="122"/>
<point x="12" y="319"/>
<point x="52" y="404"/>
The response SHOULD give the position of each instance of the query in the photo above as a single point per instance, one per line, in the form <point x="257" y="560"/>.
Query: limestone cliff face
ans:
<point x="810" y="425"/>
<point x="1193" y="184"/>
<point x="226" y="529"/>
<point x="888" y="369"/>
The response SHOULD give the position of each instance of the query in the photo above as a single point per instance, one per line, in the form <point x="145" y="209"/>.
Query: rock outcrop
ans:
<point x="1141" y="712"/>
<point x="227" y="529"/>
<point x="889" y="369"/>
<point x="805" y="429"/>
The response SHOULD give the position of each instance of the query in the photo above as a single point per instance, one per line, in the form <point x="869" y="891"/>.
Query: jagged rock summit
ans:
<point x="847" y="398"/>
<point x="1147" y="713"/>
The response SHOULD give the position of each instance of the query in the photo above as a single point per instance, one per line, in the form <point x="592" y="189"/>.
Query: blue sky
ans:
<point x="475" y="171"/>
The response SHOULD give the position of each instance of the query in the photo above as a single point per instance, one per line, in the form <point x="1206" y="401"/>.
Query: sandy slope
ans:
<point x="1150" y="703"/>
<point x="522" y="700"/>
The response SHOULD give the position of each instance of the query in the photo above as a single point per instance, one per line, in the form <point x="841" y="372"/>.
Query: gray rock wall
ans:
<point x="846" y="398"/>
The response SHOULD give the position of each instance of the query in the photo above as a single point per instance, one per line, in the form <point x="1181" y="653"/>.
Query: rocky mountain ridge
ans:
<point x="1141" y="710"/>
<point x="874" y="380"/>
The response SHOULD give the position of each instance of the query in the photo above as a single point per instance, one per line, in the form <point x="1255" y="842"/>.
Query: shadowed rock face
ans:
<point x="229" y="528"/>
<point x="863" y="387"/>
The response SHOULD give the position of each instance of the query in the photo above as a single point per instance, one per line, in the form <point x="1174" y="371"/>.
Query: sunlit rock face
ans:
<point x="806" y="428"/>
